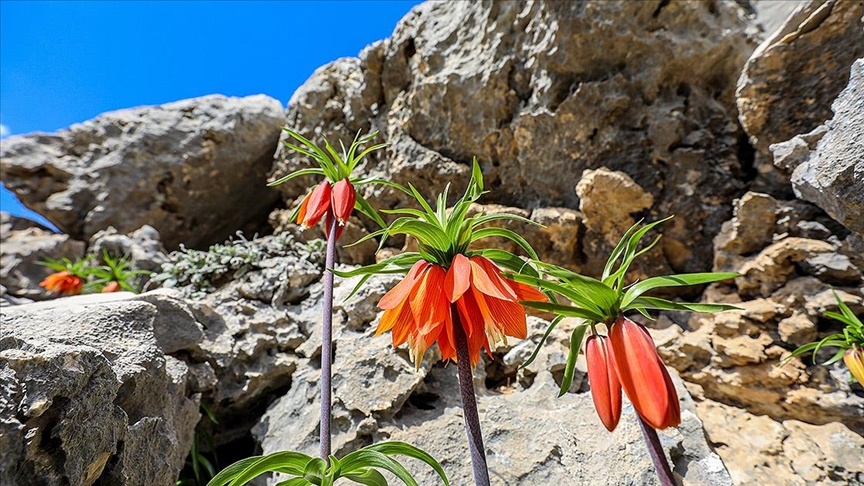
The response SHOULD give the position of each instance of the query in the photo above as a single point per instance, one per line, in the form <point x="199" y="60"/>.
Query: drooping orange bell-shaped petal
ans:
<point x="428" y="303"/>
<point x="508" y="316"/>
<point x="315" y="205"/>
<point x="854" y="359"/>
<point x="642" y="374"/>
<point x="527" y="293"/>
<point x="605" y="388"/>
<point x="113" y="286"/>
<point x="343" y="199"/>
<point x="486" y="277"/>
<point x="458" y="277"/>
<point x="400" y="292"/>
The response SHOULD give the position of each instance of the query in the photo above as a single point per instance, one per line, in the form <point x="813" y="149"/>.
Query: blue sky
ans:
<point x="66" y="62"/>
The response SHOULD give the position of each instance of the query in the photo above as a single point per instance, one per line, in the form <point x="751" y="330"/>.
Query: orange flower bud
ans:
<point x="854" y="359"/>
<point x="314" y="206"/>
<point x="605" y="388"/>
<point x="111" y="287"/>
<point x="343" y="199"/>
<point x="642" y="374"/>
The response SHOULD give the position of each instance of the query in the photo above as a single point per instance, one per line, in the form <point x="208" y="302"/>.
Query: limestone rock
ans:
<point x="832" y="177"/>
<point x="607" y="199"/>
<point x="773" y="266"/>
<point x="23" y="244"/>
<point x="752" y="226"/>
<point x="540" y="92"/>
<point x="759" y="450"/>
<point x="195" y="169"/>
<point x="789" y="82"/>
<point x="89" y="395"/>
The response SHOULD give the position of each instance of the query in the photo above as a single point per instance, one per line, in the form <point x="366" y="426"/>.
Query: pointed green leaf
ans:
<point x="546" y="334"/>
<point x="672" y="281"/>
<point x="570" y="367"/>
<point x="302" y="172"/>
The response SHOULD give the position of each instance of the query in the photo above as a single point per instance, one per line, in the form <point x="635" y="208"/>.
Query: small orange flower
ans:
<point x="605" y="387"/>
<point x="419" y="310"/>
<point x="642" y="374"/>
<point x="62" y="283"/>
<point x="111" y="287"/>
<point x="314" y="205"/>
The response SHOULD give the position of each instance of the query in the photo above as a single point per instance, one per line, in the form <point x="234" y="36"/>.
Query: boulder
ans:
<point x="89" y="394"/>
<point x="789" y="82"/>
<point x="194" y="169"/>
<point x="831" y="173"/>
<point x="540" y="92"/>
<point x="23" y="245"/>
<point x="759" y="450"/>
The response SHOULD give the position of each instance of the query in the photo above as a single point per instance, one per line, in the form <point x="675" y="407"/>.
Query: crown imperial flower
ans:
<point x="336" y="197"/>
<point x="420" y="309"/>
<point x="448" y="285"/>
<point x="63" y="283"/>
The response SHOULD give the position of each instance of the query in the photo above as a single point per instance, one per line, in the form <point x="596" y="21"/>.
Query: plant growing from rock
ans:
<point x="625" y="357"/>
<point x="198" y="272"/>
<point x="849" y="343"/>
<point x="91" y="274"/>
<point x="451" y="295"/>
<point x="334" y="199"/>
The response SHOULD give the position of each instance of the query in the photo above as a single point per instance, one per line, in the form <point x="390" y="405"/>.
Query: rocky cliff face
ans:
<point x="585" y="117"/>
<point x="540" y="92"/>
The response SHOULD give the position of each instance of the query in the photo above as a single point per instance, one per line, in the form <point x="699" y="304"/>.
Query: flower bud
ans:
<point x="314" y="206"/>
<point x="343" y="199"/>
<point x="113" y="286"/>
<point x="642" y="374"/>
<point x="854" y="359"/>
<point x="605" y="388"/>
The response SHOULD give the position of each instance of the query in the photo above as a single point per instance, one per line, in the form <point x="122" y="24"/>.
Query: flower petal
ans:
<point x="486" y="277"/>
<point x="400" y="292"/>
<point x="427" y="300"/>
<point x="508" y="316"/>
<point x="458" y="277"/>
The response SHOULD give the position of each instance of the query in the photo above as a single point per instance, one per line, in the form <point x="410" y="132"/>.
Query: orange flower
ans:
<point x="642" y="374"/>
<point x="605" y="387"/>
<point x="62" y="283"/>
<point x="343" y="199"/>
<point x="419" y="309"/>
<point x="111" y="287"/>
<point x="314" y="205"/>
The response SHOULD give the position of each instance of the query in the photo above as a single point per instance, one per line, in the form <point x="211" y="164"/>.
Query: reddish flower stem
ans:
<point x="469" y="402"/>
<point x="658" y="457"/>
<point x="327" y="343"/>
